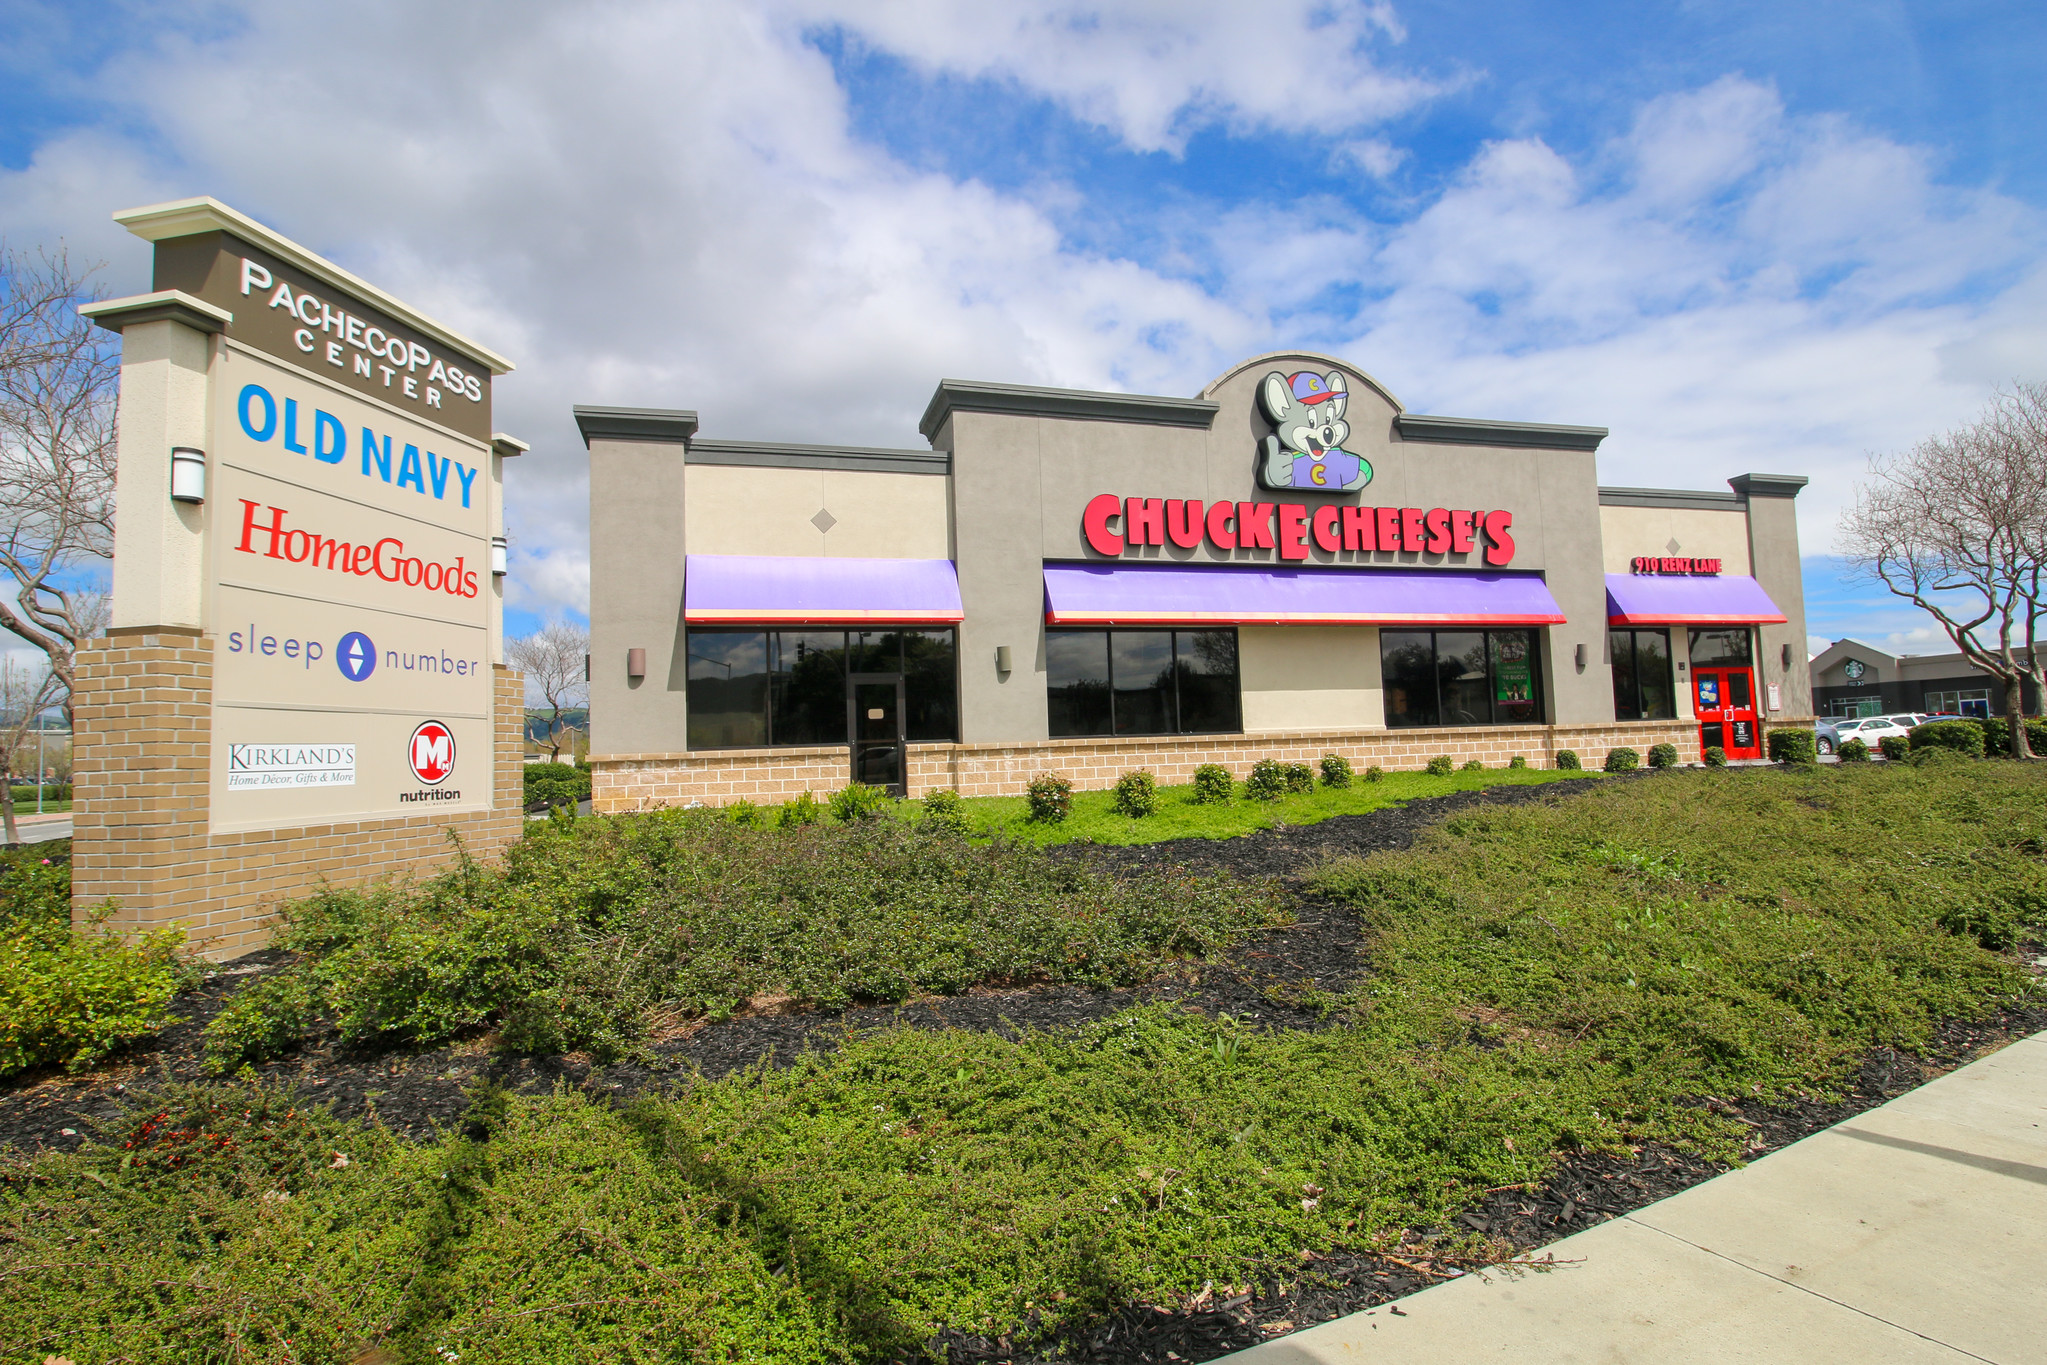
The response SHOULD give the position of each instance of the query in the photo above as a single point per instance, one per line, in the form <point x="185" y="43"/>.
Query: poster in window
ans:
<point x="1709" y="693"/>
<point x="1513" y="677"/>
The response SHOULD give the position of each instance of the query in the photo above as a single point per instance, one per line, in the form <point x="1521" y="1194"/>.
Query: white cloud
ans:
<point x="666" y="205"/>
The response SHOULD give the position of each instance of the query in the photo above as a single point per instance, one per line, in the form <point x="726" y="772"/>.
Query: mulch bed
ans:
<point x="420" y="1094"/>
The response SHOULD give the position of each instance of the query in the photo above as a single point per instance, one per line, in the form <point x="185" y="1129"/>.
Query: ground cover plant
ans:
<point x="591" y="931"/>
<point x="1545" y="978"/>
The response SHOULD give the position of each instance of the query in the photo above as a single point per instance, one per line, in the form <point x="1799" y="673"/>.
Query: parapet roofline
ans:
<point x="189" y="217"/>
<point x="672" y="425"/>
<point x="1480" y="431"/>
<point x="782" y="455"/>
<point x="1672" y="497"/>
<point x="1023" y="400"/>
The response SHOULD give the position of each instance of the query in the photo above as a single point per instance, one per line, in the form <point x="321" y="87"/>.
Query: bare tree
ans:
<point x="58" y="381"/>
<point x="25" y="693"/>
<point x="553" y="660"/>
<point x="1958" y="527"/>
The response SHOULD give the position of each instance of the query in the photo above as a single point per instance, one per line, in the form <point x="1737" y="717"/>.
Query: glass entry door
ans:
<point x="1726" y="704"/>
<point x="874" y="703"/>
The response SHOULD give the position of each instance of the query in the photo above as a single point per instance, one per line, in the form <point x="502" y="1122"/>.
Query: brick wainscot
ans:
<point x="630" y="782"/>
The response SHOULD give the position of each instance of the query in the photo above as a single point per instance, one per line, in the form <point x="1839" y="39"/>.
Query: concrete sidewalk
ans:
<point x="1914" y="1232"/>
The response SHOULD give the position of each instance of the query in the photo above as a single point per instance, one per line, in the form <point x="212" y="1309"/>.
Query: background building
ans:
<point x="1850" y="678"/>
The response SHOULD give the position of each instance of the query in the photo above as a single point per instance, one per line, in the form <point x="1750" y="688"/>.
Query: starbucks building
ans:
<point x="1286" y="565"/>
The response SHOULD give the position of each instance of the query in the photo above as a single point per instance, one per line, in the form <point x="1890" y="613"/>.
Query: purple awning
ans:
<point x="818" y="590"/>
<point x="1643" y="599"/>
<point x="1190" y="594"/>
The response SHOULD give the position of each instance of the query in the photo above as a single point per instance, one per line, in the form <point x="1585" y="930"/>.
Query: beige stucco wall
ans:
<point x="747" y="510"/>
<point x="1310" y="678"/>
<point x="1629" y="532"/>
<point x="159" y="547"/>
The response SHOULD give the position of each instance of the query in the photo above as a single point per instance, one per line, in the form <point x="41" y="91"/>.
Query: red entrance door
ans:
<point x="1725" y="699"/>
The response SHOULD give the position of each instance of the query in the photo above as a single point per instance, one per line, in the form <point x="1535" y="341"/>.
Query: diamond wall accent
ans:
<point x="824" y="520"/>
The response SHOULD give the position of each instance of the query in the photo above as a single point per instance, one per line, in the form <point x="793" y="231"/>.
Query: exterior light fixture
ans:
<point x="188" y="474"/>
<point x="1786" y="654"/>
<point x="497" y="556"/>
<point x="1581" y="658"/>
<point x="636" y="663"/>
<point x="1002" y="658"/>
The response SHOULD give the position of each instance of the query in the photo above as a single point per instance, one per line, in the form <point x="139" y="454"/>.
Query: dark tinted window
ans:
<point x="1141" y="682"/>
<point x="1721" y="648"/>
<point x="1209" y="697"/>
<point x="1077" y="682"/>
<point x="749" y="687"/>
<point x="728" y="689"/>
<point x="931" y="685"/>
<point x="1642" y="687"/>
<point x="1141" y="665"/>
<point x="809" y="687"/>
<point x="1460" y="677"/>
<point x="1408" y="663"/>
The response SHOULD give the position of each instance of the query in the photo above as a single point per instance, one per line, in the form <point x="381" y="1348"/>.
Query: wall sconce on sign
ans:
<point x="188" y="474"/>
<point x="636" y="663"/>
<point x="1581" y="658"/>
<point x="497" y="556"/>
<point x="1002" y="658"/>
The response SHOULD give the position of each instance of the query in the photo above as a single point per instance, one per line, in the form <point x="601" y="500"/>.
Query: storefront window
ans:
<point x="1141" y="682"/>
<point x="1641" y="675"/>
<point x="1974" y="702"/>
<point x="1721" y="648"/>
<point x="788" y="687"/>
<point x="728" y="689"/>
<point x="1460" y="677"/>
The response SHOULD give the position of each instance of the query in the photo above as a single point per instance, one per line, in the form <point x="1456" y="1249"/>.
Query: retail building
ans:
<point x="1851" y="678"/>
<point x="1288" y="564"/>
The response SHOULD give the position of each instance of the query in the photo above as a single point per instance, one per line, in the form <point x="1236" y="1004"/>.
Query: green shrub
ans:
<point x="1336" y="771"/>
<point x="1473" y="765"/>
<point x="35" y="888"/>
<point x="1795" y="745"/>
<point x="1663" y="755"/>
<point x="266" y="1018"/>
<point x="945" y="812"/>
<point x="26" y="796"/>
<point x="1997" y="737"/>
<point x="556" y="784"/>
<point x="1375" y="773"/>
<point x="1896" y="748"/>
<point x="1213" y="785"/>
<point x="1300" y="779"/>
<point x="743" y="812"/>
<point x="1964" y="737"/>
<point x="1051" y="798"/>
<point x="858" y="801"/>
<point x="1716" y="757"/>
<point x="1442" y="765"/>
<point x="1137" y="794"/>
<point x="1855" y="749"/>
<point x="1567" y="761"/>
<point x="1937" y="756"/>
<point x="1518" y="761"/>
<point x="1267" y="781"/>
<point x="1622" y="760"/>
<point x="804" y="810"/>
<point x="70" y="999"/>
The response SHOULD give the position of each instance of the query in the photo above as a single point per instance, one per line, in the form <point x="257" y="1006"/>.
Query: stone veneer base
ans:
<point x="143" y="726"/>
<point x="629" y="782"/>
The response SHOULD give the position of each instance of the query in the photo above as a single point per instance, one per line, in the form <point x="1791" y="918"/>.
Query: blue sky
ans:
<point x="1744" y="236"/>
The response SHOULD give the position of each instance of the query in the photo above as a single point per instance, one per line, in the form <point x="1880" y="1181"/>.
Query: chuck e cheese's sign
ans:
<point x="1113" y="524"/>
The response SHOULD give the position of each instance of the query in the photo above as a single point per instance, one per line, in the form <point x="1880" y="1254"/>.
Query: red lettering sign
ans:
<point x="386" y="559"/>
<point x="1661" y="564"/>
<point x="1110" y="523"/>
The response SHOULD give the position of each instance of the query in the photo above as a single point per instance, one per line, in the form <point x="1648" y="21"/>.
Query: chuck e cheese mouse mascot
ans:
<point x="1306" y="448"/>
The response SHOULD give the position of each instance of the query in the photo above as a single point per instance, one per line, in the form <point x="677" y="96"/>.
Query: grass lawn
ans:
<point x="1179" y="816"/>
<point x="1544" y="979"/>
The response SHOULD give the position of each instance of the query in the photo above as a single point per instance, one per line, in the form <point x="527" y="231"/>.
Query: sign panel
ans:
<point x="350" y="604"/>
<point x="284" y="312"/>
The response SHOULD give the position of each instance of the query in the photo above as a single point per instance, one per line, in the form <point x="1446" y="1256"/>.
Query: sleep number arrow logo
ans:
<point x="356" y="656"/>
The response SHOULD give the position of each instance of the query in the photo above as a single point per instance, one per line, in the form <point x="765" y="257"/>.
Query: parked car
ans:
<point x="1824" y="737"/>
<point x="1871" y="729"/>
